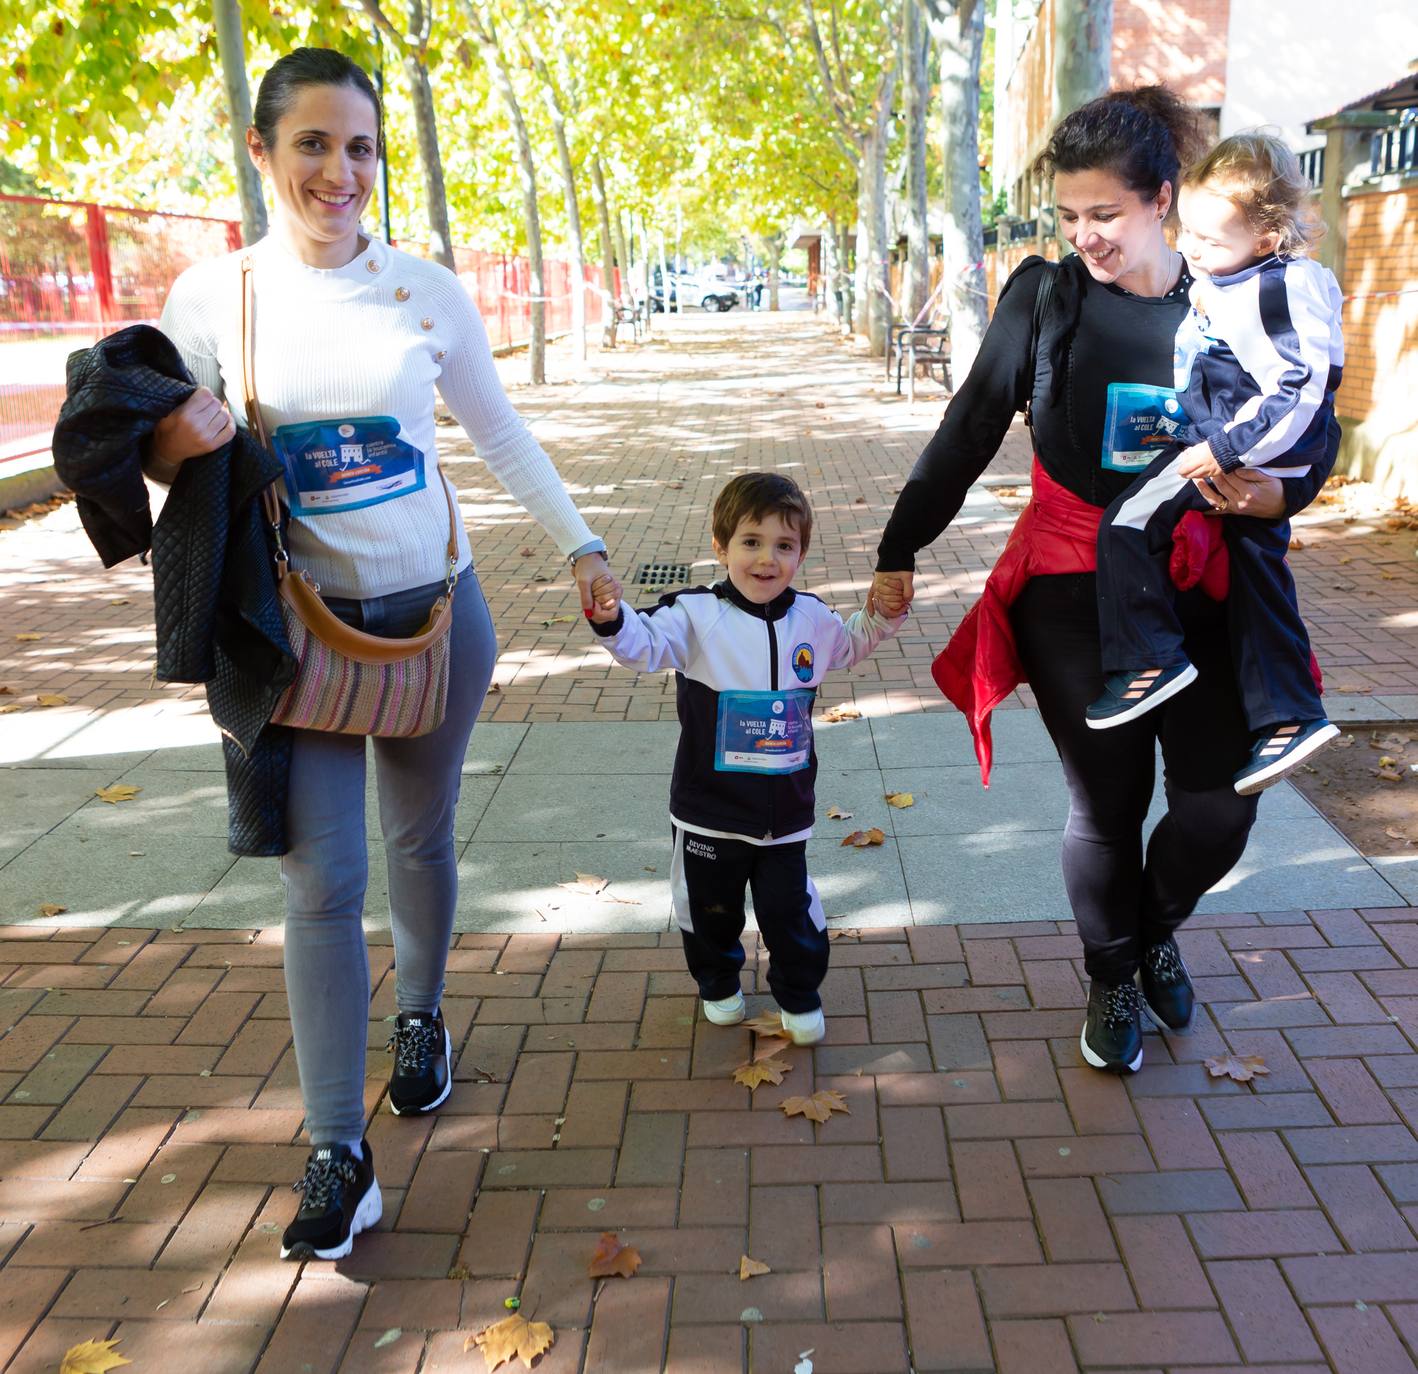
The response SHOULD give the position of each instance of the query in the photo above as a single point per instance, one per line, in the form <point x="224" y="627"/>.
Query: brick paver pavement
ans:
<point x="989" y="1203"/>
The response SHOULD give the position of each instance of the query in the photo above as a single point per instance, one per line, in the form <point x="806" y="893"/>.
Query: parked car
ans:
<point x="711" y="291"/>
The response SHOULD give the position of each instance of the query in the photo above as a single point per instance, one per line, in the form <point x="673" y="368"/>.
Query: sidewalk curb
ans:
<point x="29" y="485"/>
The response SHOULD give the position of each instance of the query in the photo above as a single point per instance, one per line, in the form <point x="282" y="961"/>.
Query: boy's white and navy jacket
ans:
<point x="716" y="640"/>
<point x="1258" y="360"/>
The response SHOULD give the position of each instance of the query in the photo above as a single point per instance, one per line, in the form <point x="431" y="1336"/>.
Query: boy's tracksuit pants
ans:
<point x="1136" y="599"/>
<point x="708" y="876"/>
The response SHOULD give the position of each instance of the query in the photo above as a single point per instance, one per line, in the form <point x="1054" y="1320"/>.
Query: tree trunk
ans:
<point x="232" y="48"/>
<point x="531" y="215"/>
<point x="878" y="303"/>
<point x="917" y="286"/>
<point x="963" y="239"/>
<point x="440" y="239"/>
<point x="664" y="280"/>
<point x="775" y="262"/>
<point x="1083" y="52"/>
<point x="845" y="278"/>
<point x="598" y="194"/>
<point x="573" y="208"/>
<point x="622" y="251"/>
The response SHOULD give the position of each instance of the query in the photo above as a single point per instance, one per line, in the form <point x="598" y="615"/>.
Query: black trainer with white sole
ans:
<point x="341" y="1199"/>
<point x="1281" y="749"/>
<point x="1129" y="695"/>
<point x="1112" y="1034"/>
<point x="1167" y="992"/>
<point x="423" y="1050"/>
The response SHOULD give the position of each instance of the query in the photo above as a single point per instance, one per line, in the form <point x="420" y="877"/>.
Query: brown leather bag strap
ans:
<point x="257" y="426"/>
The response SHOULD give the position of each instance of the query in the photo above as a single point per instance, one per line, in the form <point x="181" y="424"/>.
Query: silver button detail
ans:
<point x="372" y="265"/>
<point x="401" y="293"/>
<point x="426" y="323"/>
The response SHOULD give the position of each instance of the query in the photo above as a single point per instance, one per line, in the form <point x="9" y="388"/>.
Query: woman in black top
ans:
<point x="1115" y="307"/>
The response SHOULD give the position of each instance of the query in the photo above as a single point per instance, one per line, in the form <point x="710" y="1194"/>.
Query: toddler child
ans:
<point x="1258" y="359"/>
<point x="748" y="654"/>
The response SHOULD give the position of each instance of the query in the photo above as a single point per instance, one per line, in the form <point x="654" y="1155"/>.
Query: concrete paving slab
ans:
<point x="580" y="748"/>
<point x="859" y="887"/>
<point x="1400" y="871"/>
<point x="1343" y="707"/>
<point x="1001" y="875"/>
<point x="845" y="744"/>
<point x="860" y="791"/>
<point x="35" y="800"/>
<point x="950" y="801"/>
<point x="492" y="746"/>
<point x="543" y="807"/>
<point x="942" y="739"/>
<point x="173" y="805"/>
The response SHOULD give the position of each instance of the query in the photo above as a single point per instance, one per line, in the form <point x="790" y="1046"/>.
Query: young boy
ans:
<point x="748" y="654"/>
<point x="1257" y="363"/>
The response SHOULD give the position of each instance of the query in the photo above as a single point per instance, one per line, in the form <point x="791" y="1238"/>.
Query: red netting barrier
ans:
<point x="71" y="273"/>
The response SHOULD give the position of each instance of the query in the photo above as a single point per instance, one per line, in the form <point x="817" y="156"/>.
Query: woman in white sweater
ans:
<point x="353" y="337"/>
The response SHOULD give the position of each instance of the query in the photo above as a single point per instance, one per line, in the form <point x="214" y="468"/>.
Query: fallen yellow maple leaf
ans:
<point x="900" y="800"/>
<point x="27" y="638"/>
<point x="52" y="909"/>
<point x="757" y="1071"/>
<point x="92" y="1357"/>
<point x="510" y="1339"/>
<point x="752" y="1268"/>
<point x="835" y="813"/>
<point x="52" y="699"/>
<point x="117" y="792"/>
<point x="1242" y="1067"/>
<point x="860" y="839"/>
<point x="590" y="884"/>
<point x="767" y="1024"/>
<point x="836" y="713"/>
<point x="818" y="1107"/>
<point x="612" y="1259"/>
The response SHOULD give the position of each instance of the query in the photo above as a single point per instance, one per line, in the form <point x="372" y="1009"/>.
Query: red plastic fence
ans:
<point x="72" y="272"/>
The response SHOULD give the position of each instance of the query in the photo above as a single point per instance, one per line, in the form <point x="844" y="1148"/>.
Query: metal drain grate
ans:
<point x="662" y="574"/>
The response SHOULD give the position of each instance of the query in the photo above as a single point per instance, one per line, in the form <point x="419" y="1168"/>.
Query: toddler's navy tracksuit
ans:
<point x="741" y="798"/>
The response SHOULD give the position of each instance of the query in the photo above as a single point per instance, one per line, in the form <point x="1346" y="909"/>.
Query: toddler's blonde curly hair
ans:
<point x="1259" y="174"/>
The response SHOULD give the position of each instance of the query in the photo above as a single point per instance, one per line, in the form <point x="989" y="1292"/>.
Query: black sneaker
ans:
<point x="1129" y="695"/>
<point x="341" y="1200"/>
<point x="1112" y="1034"/>
<point x="1280" y="749"/>
<point x="1167" y="992"/>
<point x="421" y="1080"/>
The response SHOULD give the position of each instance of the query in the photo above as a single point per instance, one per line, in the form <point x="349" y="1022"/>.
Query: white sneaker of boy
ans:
<point x="727" y="1011"/>
<point x="804" y="1027"/>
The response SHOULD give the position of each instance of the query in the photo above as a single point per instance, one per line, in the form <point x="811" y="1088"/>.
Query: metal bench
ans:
<point x="919" y="344"/>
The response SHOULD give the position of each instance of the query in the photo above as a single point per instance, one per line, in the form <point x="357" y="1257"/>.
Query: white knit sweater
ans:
<point x="372" y="338"/>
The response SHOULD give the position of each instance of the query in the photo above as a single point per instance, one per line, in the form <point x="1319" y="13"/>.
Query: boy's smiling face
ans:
<point x="762" y="556"/>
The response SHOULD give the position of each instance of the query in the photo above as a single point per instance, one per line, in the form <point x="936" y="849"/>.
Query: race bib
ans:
<point x="1140" y="422"/>
<point x="341" y="465"/>
<point x="764" y="732"/>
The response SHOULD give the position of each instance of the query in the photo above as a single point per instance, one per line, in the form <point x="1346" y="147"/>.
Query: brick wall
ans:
<point x="999" y="263"/>
<point x="1378" y="402"/>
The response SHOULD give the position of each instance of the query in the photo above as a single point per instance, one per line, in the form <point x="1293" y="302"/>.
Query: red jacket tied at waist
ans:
<point x="1057" y="532"/>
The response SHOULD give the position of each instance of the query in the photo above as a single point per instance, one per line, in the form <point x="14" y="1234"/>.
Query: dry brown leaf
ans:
<point x="590" y="884"/>
<point x="511" y="1339"/>
<point x="900" y="800"/>
<point x="861" y="839"/>
<point x="118" y="601"/>
<point x="29" y="638"/>
<point x="758" y="1071"/>
<point x="835" y="813"/>
<point x="119" y="791"/>
<point x="818" y="1107"/>
<point x="526" y="551"/>
<point x="752" y="1268"/>
<point x="52" y="699"/>
<point x="612" y="1259"/>
<point x="51" y="909"/>
<point x="768" y="1024"/>
<point x="1394" y="833"/>
<point x="92" y="1357"/>
<point x="558" y="620"/>
<point x="1343" y="742"/>
<point x="1241" y="1067"/>
<point x="836" y="713"/>
<point x="6" y="690"/>
<point x="9" y="707"/>
<point x="846" y="933"/>
<point x="1389" y="774"/>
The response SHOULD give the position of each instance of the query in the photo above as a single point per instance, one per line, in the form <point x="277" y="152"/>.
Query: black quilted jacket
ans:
<point x="214" y="586"/>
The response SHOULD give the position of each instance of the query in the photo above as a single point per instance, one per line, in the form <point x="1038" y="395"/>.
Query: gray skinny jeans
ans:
<point x="326" y="870"/>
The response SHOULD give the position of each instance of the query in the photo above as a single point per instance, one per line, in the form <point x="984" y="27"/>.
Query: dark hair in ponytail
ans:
<point x="1143" y="136"/>
<point x="304" y="67"/>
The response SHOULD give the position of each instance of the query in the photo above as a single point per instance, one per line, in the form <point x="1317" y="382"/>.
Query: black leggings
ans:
<point x="1123" y="901"/>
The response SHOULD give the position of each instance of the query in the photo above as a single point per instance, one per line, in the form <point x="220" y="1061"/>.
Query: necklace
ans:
<point x="1174" y="281"/>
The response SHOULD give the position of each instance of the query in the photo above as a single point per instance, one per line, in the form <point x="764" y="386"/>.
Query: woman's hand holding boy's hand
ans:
<point x="599" y="587"/>
<point x="890" y="594"/>
<point x="1198" y="461"/>
<point x="603" y="615"/>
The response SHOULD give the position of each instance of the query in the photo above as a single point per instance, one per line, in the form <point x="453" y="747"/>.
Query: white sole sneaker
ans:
<point x="804" y="1027"/>
<point x="727" y="1011"/>
<point x="447" y="1087"/>
<point x="1268" y="777"/>
<point x="1098" y="1062"/>
<point x="366" y="1217"/>
<point x="1180" y="683"/>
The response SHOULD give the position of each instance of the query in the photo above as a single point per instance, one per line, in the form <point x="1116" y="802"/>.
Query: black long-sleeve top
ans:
<point x="1093" y="334"/>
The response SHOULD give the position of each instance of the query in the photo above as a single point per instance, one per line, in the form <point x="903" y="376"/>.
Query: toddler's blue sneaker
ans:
<point x="1280" y="750"/>
<point x="1129" y="695"/>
